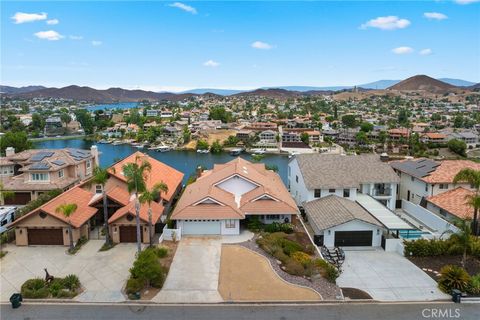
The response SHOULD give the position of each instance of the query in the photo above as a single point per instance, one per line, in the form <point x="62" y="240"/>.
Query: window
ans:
<point x="230" y="223"/>
<point x="289" y="171"/>
<point x="443" y="185"/>
<point x="317" y="193"/>
<point x="296" y="179"/>
<point x="346" y="193"/>
<point x="98" y="188"/>
<point x="273" y="216"/>
<point x="60" y="173"/>
<point x="426" y="187"/>
<point x="39" y="176"/>
<point x="412" y="178"/>
<point x="89" y="164"/>
<point x="331" y="190"/>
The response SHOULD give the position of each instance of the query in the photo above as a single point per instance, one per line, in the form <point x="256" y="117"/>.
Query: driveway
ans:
<point x="194" y="273"/>
<point x="387" y="276"/>
<point x="102" y="274"/>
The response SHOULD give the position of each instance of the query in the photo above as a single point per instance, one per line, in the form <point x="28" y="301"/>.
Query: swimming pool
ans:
<point x="411" y="234"/>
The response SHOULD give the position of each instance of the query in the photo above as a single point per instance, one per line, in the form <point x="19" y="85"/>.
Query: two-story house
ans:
<point x="32" y="172"/>
<point x="422" y="178"/>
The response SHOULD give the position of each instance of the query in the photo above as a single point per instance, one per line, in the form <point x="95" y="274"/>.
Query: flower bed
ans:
<point x="58" y="288"/>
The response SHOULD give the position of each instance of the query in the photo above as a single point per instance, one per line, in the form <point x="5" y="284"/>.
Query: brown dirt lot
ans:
<point x="247" y="276"/>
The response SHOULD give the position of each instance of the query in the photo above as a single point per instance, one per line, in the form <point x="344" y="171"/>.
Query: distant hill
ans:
<point x="379" y="85"/>
<point x="457" y="82"/>
<point x="8" y="89"/>
<point x="222" y="92"/>
<point x="424" y="83"/>
<point x="269" y="93"/>
<point x="105" y="96"/>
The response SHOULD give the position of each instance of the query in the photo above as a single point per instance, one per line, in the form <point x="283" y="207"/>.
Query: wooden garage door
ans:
<point x="353" y="238"/>
<point x="129" y="234"/>
<point x="19" y="198"/>
<point x="45" y="236"/>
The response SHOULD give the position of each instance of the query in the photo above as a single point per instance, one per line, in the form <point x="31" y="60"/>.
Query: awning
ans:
<point x="387" y="217"/>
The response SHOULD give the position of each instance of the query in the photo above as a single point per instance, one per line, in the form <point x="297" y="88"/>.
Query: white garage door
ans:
<point x="201" y="227"/>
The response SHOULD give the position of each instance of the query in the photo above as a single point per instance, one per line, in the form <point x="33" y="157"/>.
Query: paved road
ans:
<point x="369" y="311"/>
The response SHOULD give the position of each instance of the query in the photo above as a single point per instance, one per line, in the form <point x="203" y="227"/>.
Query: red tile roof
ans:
<point x="157" y="211"/>
<point x="75" y="195"/>
<point x="454" y="202"/>
<point x="448" y="169"/>
<point x="159" y="172"/>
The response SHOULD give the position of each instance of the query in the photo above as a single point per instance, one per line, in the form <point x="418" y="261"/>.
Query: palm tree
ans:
<point x="462" y="239"/>
<point x="5" y="194"/>
<point x="136" y="176"/>
<point x="100" y="176"/>
<point x="67" y="209"/>
<point x="148" y="196"/>
<point x="472" y="177"/>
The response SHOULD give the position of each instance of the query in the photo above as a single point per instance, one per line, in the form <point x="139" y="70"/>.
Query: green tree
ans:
<point x="100" y="176"/>
<point x="361" y="138"/>
<point x="85" y="119"/>
<point x="458" y="121"/>
<point x="457" y="146"/>
<point x="366" y="127"/>
<point x="305" y="137"/>
<point x="219" y="113"/>
<point x="462" y="240"/>
<point x="202" y="145"/>
<point x="216" y="147"/>
<point x="148" y="196"/>
<point x="5" y="194"/>
<point x="67" y="209"/>
<point x="349" y="120"/>
<point x="17" y="140"/>
<point x="65" y="117"/>
<point x="403" y="116"/>
<point x="38" y="122"/>
<point x="136" y="175"/>
<point x="471" y="177"/>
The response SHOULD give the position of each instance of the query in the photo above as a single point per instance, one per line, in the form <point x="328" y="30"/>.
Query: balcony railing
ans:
<point x="380" y="192"/>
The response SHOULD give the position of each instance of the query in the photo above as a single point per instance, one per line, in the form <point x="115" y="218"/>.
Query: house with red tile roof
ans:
<point x="421" y="178"/>
<point x="451" y="204"/>
<point x="230" y="193"/>
<point x="44" y="226"/>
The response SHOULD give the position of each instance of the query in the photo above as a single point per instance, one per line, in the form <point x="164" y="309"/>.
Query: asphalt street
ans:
<point x="354" y="311"/>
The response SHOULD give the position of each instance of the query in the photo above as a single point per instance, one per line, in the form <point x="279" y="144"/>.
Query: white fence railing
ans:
<point x="171" y="234"/>
<point x="430" y="219"/>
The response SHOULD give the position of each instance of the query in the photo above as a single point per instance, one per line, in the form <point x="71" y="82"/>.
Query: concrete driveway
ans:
<point x="387" y="276"/>
<point x="102" y="274"/>
<point x="194" y="273"/>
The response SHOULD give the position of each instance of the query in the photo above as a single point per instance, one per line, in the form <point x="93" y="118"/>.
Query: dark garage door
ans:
<point x="45" y="236"/>
<point x="353" y="238"/>
<point x="19" y="198"/>
<point x="129" y="234"/>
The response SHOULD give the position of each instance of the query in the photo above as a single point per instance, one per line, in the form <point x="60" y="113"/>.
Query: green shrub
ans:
<point x="148" y="269"/>
<point x="254" y="224"/>
<point x="474" y="285"/>
<point x="71" y="282"/>
<point x="326" y="270"/>
<point x="426" y="248"/>
<point x="55" y="287"/>
<point x="289" y="247"/>
<point x="34" y="289"/>
<point x="453" y="277"/>
<point x="161" y="252"/>
<point x="301" y="257"/>
<point x="280" y="255"/>
<point x="158" y="281"/>
<point x="134" y="285"/>
<point x="278" y="227"/>
<point x="294" y="267"/>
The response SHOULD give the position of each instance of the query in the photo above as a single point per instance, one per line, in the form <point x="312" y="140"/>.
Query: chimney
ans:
<point x="199" y="171"/>
<point x="9" y="151"/>
<point x="384" y="157"/>
<point x="94" y="152"/>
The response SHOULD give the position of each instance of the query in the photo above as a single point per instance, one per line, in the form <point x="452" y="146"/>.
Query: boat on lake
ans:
<point x="203" y="151"/>
<point x="117" y="143"/>
<point x="103" y="141"/>
<point x="236" y="152"/>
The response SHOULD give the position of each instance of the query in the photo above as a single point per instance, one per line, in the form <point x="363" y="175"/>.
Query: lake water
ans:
<point x="111" y="106"/>
<point x="184" y="161"/>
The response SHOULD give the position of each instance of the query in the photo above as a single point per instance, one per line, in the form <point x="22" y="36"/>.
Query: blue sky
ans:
<point x="160" y="45"/>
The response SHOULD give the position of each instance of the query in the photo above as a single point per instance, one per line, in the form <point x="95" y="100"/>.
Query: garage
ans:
<point x="129" y="234"/>
<point x="353" y="238"/>
<point x="45" y="236"/>
<point x="19" y="198"/>
<point x="201" y="227"/>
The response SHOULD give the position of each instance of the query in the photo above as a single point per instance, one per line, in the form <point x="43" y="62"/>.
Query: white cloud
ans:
<point x="261" y="45"/>
<point x="49" y="35"/>
<point x="183" y="7"/>
<point x="386" y="23"/>
<point x="52" y="21"/>
<point x="426" y="52"/>
<point x="21" y="17"/>
<point x="466" y="1"/>
<point x="402" y="50"/>
<point x="74" y="37"/>
<point x="96" y="43"/>
<point x="211" y="63"/>
<point x="435" y="16"/>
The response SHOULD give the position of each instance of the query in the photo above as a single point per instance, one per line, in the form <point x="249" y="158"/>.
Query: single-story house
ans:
<point x="451" y="204"/>
<point x="340" y="222"/>
<point x="222" y="198"/>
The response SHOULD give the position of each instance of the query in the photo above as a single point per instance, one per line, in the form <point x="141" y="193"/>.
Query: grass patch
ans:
<point x="78" y="245"/>
<point x="107" y="247"/>
<point x="3" y="254"/>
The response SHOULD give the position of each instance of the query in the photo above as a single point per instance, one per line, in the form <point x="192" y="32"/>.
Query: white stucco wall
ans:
<point x="355" y="225"/>
<point x="230" y="231"/>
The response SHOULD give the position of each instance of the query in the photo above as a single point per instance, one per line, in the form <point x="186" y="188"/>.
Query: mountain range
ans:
<point x="111" y="95"/>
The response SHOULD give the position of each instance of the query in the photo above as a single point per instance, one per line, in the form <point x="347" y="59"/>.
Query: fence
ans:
<point x="171" y="234"/>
